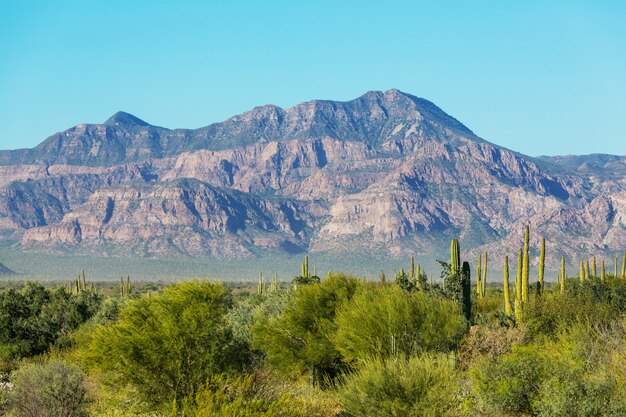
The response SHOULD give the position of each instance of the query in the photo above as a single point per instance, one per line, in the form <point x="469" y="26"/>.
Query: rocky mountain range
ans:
<point x="386" y="173"/>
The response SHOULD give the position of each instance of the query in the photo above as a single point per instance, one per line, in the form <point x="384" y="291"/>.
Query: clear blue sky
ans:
<point x="536" y="76"/>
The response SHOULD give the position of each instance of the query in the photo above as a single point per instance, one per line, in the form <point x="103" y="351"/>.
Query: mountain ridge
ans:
<point x="387" y="172"/>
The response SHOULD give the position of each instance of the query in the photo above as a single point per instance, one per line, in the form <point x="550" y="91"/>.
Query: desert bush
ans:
<point x="34" y="318"/>
<point x="53" y="389"/>
<point x="299" y="339"/>
<point x="555" y="312"/>
<point x="255" y="395"/>
<point x="167" y="345"/>
<point x="489" y="340"/>
<point x="387" y="321"/>
<point x="421" y="386"/>
<point x="511" y="382"/>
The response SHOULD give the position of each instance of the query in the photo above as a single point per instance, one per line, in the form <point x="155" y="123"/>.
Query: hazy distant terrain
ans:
<point x="385" y="175"/>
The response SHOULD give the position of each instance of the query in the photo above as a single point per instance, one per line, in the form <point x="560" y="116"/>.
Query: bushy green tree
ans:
<point x="387" y="321"/>
<point x="299" y="338"/>
<point x="34" y="317"/>
<point x="168" y="344"/>
<point x="423" y="386"/>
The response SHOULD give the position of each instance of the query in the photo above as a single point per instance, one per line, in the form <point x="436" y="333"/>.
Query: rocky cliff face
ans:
<point x="386" y="173"/>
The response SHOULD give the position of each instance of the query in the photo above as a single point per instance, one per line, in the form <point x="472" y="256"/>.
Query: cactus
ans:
<point x="595" y="272"/>
<point x="615" y="267"/>
<point x="483" y="286"/>
<point x="581" y="274"/>
<point x="624" y="267"/>
<point x="602" y="272"/>
<point x="542" y="266"/>
<point x="455" y="257"/>
<point x="507" y="295"/>
<point x="562" y="276"/>
<point x="467" y="291"/>
<point x="518" y="289"/>
<point x="525" y="267"/>
<point x="587" y="272"/>
<point x="412" y="276"/>
<point x="259" y="287"/>
<point x="83" y="279"/>
<point x="479" y="290"/>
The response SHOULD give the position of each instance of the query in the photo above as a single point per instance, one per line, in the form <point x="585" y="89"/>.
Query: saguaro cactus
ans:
<point x="467" y="290"/>
<point x="479" y="286"/>
<point x="562" y="277"/>
<point x="525" y="266"/>
<point x="259" y="287"/>
<point x="507" y="296"/>
<point x="624" y="267"/>
<point x="587" y="272"/>
<point x="602" y="272"/>
<point x="595" y="271"/>
<point x="518" y="289"/>
<point x="483" y="286"/>
<point x="542" y="265"/>
<point x="412" y="276"/>
<point x="455" y="257"/>
<point x="581" y="274"/>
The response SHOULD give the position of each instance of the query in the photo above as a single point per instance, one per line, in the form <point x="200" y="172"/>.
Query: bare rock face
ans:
<point x="386" y="173"/>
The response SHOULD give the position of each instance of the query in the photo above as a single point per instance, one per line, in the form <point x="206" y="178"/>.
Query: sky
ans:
<point x="542" y="78"/>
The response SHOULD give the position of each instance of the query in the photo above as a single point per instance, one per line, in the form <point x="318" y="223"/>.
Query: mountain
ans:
<point x="4" y="271"/>
<point x="386" y="173"/>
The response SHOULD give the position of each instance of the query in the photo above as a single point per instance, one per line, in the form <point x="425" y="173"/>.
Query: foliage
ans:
<point x="53" y="389"/>
<point x="167" y="345"/>
<point x="300" y="337"/>
<point x="35" y="317"/>
<point x="387" y="321"/>
<point x="254" y="395"/>
<point x="509" y="383"/>
<point x="421" y="386"/>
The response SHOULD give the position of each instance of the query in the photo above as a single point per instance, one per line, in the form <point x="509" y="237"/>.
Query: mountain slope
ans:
<point x="385" y="173"/>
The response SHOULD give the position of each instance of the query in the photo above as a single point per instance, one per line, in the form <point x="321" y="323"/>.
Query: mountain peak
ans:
<point x="125" y="119"/>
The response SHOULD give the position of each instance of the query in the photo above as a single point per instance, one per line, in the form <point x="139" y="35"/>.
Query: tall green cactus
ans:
<point x="595" y="271"/>
<point x="581" y="274"/>
<point x="507" y="296"/>
<point x="455" y="257"/>
<point x="518" y="289"/>
<point x="602" y="272"/>
<point x="542" y="265"/>
<point x="259" y="287"/>
<point x="412" y="276"/>
<point x="525" y="266"/>
<point x="479" y="290"/>
<point x="562" y="277"/>
<point x="624" y="267"/>
<point x="466" y="284"/>
<point x="587" y="272"/>
<point x="615" y="267"/>
<point x="483" y="286"/>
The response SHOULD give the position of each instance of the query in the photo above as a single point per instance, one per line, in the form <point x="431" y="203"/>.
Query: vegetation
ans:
<point x="337" y="346"/>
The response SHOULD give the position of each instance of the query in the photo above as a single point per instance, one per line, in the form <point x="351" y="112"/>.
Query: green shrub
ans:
<point x="34" y="318"/>
<point x="53" y="389"/>
<point x="168" y="344"/>
<point x="299" y="339"/>
<point x="569" y="392"/>
<point x="385" y="321"/>
<point x="421" y="386"/>
<point x="255" y="396"/>
<point x="511" y="382"/>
